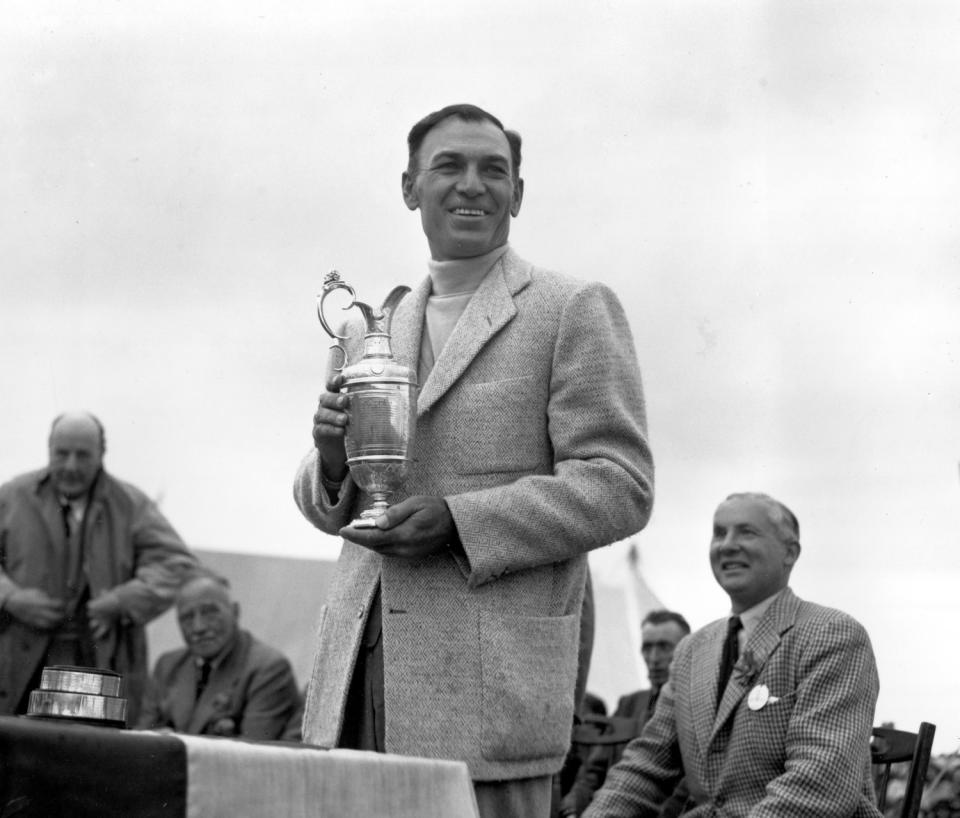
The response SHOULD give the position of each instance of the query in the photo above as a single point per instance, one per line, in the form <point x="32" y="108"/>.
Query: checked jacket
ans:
<point x="803" y="754"/>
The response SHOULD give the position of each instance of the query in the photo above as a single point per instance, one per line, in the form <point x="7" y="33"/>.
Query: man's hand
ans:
<point x="329" y="425"/>
<point x="36" y="608"/>
<point x="102" y="612"/>
<point x="414" y="528"/>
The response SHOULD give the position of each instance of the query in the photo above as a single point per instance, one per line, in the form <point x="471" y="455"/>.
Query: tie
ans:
<point x="731" y="652"/>
<point x="202" y="678"/>
<point x="652" y="701"/>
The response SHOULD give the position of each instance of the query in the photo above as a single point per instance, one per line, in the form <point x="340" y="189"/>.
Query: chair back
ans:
<point x="889" y="746"/>
<point x="597" y="730"/>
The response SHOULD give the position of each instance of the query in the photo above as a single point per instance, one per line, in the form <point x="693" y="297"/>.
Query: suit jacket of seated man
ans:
<point x="251" y="693"/>
<point x="801" y="750"/>
<point x="531" y="426"/>
<point x="633" y="710"/>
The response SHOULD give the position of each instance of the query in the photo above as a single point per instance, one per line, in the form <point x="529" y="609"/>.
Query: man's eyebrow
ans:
<point x="452" y="154"/>
<point x="445" y="154"/>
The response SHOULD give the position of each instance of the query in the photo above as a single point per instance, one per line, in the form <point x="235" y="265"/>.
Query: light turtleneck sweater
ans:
<point x="453" y="284"/>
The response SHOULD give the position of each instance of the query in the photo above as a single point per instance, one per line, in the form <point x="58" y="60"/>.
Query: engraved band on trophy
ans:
<point x="382" y="402"/>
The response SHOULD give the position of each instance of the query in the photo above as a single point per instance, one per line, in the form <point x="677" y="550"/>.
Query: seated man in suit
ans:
<point x="224" y="682"/>
<point x="767" y="712"/>
<point x="660" y="632"/>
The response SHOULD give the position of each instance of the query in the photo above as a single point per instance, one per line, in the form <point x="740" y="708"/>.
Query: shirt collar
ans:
<point x="462" y="275"/>
<point x="751" y="616"/>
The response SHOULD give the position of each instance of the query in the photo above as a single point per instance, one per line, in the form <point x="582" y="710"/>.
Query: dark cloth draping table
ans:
<point x="63" y="770"/>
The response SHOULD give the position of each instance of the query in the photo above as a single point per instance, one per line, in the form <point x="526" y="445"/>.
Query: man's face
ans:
<point x="75" y="456"/>
<point x="207" y="617"/>
<point x="464" y="188"/>
<point x="656" y="648"/>
<point x="749" y="560"/>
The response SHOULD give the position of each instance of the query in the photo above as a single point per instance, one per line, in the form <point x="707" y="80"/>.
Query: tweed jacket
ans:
<point x="252" y="693"/>
<point x="531" y="425"/>
<point x="803" y="754"/>
<point x="130" y="550"/>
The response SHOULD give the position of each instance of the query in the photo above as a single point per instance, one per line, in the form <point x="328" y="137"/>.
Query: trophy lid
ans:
<point x="80" y="694"/>
<point x="70" y="679"/>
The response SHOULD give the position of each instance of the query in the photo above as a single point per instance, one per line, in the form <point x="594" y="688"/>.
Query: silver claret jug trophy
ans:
<point x="382" y="402"/>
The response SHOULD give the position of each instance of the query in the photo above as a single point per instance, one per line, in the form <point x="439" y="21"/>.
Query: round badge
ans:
<point x="758" y="697"/>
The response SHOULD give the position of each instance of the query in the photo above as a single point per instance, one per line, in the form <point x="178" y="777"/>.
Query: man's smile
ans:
<point x="468" y="211"/>
<point x="733" y="565"/>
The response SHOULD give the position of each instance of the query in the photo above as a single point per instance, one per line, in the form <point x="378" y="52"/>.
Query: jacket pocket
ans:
<point x="528" y="669"/>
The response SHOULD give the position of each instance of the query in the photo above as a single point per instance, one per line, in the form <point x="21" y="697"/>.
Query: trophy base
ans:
<point x="368" y="518"/>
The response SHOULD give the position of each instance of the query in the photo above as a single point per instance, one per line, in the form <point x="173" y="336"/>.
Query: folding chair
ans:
<point x="889" y="746"/>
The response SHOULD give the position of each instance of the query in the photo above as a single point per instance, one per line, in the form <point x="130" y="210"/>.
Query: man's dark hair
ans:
<point x="662" y="616"/>
<point x="468" y="113"/>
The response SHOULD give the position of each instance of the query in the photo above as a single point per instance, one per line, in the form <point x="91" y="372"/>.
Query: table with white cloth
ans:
<point x="58" y="769"/>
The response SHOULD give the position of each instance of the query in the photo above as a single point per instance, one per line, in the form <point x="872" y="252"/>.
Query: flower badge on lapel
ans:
<point x="221" y="703"/>
<point x="760" y="697"/>
<point x="224" y="727"/>
<point x="223" y="724"/>
<point x="746" y="670"/>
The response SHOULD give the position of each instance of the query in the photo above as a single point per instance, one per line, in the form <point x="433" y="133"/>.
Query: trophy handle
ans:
<point x="390" y="304"/>
<point x="331" y="282"/>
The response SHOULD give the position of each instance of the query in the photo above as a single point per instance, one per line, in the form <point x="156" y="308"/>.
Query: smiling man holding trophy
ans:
<point x="451" y="630"/>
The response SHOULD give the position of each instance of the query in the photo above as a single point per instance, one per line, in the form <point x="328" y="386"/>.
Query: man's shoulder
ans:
<point x="631" y="702"/>
<point x="543" y="280"/>
<point x="113" y="488"/>
<point x="811" y="615"/>
<point x="23" y="484"/>
<point x="254" y="652"/>
<point x="171" y="660"/>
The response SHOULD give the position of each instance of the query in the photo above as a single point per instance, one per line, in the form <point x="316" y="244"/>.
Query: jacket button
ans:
<point x="360" y="612"/>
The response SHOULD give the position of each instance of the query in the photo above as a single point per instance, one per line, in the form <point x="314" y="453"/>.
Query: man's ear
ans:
<point x="793" y="553"/>
<point x="236" y="611"/>
<point x="410" y="198"/>
<point x="517" y="198"/>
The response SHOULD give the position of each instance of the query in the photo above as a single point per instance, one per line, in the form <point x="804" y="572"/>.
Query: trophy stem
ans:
<point x="367" y="519"/>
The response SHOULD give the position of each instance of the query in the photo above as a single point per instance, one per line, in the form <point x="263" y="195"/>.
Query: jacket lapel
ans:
<point x="406" y="328"/>
<point x="703" y="694"/>
<point x="765" y="639"/>
<point x="491" y="307"/>
<point x="182" y="696"/>
<point x="52" y="516"/>
<point x="212" y="704"/>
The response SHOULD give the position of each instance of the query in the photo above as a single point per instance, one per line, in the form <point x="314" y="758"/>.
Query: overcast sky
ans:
<point x="771" y="188"/>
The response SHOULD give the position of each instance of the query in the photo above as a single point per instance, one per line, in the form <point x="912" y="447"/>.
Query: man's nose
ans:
<point x="71" y="462"/>
<point x="726" y="543"/>
<point x="470" y="183"/>
<point x="198" y="623"/>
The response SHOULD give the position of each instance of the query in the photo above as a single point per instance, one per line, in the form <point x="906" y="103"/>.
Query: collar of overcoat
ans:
<point x="764" y="641"/>
<point x="49" y="502"/>
<point x="490" y="309"/>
